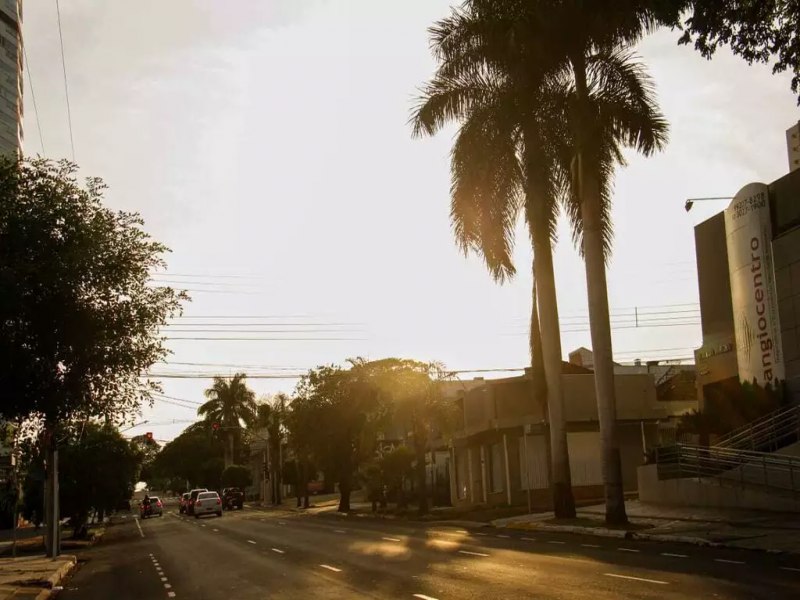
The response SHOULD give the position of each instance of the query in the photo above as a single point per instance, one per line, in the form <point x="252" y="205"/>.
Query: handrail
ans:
<point x="768" y="431"/>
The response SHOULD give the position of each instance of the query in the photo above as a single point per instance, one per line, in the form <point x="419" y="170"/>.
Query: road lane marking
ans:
<point x="281" y="522"/>
<point x="330" y="568"/>
<point x="250" y="541"/>
<point x="278" y="550"/>
<point x="528" y="539"/>
<point x="674" y="555"/>
<point x="505" y="537"/>
<point x="391" y="539"/>
<point x="170" y="594"/>
<point x="139" y="526"/>
<point x="472" y="553"/>
<point x="340" y="531"/>
<point x="636" y="578"/>
<point x="590" y="545"/>
<point x="164" y="579"/>
<point x="555" y="542"/>
<point x="167" y="586"/>
<point x="627" y="549"/>
<point x="730" y="562"/>
<point x="790" y="569"/>
<point x="424" y="597"/>
<point x="215" y="530"/>
<point x="480" y="533"/>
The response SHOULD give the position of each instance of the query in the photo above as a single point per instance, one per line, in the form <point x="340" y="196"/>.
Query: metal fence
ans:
<point x="767" y="434"/>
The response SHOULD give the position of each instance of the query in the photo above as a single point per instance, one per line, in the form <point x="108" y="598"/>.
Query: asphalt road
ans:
<point x="253" y="554"/>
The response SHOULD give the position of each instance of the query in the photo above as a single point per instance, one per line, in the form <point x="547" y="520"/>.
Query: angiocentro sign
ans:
<point x="748" y="232"/>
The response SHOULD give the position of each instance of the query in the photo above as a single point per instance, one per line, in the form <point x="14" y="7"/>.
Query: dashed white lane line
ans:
<point x="505" y="537"/>
<point x="730" y="562"/>
<point x="555" y="542"/>
<point x="163" y="579"/>
<point x="470" y="553"/>
<point x="281" y="522"/>
<point x="673" y="555"/>
<point x="636" y="578"/>
<point x="167" y="586"/>
<point x="627" y="549"/>
<point x="139" y="526"/>
<point x="481" y="533"/>
<point x="424" y="597"/>
<point x="251" y="541"/>
<point x="528" y="539"/>
<point x="170" y="594"/>
<point x="391" y="539"/>
<point x="339" y="531"/>
<point x="330" y="568"/>
<point x="590" y="545"/>
<point x="215" y="530"/>
<point x="790" y="569"/>
<point x="278" y="551"/>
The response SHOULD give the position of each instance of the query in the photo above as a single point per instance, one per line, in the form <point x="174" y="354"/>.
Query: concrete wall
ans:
<point x="786" y="252"/>
<point x="706" y="493"/>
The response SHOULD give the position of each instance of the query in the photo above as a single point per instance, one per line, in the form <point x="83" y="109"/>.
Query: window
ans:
<point x="496" y="470"/>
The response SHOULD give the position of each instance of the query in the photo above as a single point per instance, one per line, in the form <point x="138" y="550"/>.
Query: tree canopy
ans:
<point x="79" y="317"/>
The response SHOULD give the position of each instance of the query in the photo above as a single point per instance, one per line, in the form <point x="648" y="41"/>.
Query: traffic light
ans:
<point x="215" y="426"/>
<point x="149" y="436"/>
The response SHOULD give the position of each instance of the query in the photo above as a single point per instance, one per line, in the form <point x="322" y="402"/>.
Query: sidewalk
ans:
<point x="33" y="576"/>
<point x="752" y="530"/>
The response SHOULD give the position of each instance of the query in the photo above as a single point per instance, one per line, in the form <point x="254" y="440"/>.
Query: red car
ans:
<point x="183" y="503"/>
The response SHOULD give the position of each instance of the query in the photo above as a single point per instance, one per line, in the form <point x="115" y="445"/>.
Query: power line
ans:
<point x="264" y="339"/>
<point x="66" y="86"/>
<point x="165" y="401"/>
<point x="33" y="97"/>
<point x="195" y="402"/>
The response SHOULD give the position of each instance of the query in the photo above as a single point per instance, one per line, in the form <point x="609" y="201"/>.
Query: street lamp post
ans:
<point x="690" y="201"/>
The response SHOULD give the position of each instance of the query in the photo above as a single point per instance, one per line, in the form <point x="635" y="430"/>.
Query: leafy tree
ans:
<point x="185" y="457"/>
<point x="302" y="428"/>
<point x="396" y="467"/>
<point x="547" y="100"/>
<point x="230" y="403"/>
<point x="149" y="449"/>
<point x="271" y="415"/>
<point x="757" y="30"/>
<point x="237" y="476"/>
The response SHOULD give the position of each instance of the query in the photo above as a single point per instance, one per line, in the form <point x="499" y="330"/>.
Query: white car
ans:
<point x="207" y="503"/>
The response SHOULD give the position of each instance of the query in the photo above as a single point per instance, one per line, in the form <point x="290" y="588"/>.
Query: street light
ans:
<point x="690" y="201"/>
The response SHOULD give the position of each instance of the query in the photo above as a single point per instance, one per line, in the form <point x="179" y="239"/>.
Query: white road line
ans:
<point x="203" y="525"/>
<point x="340" y="531"/>
<point x="250" y="541"/>
<point x="790" y="569"/>
<point x="281" y="522"/>
<point x="164" y="579"/>
<point x="215" y="530"/>
<point x="479" y="533"/>
<point x="472" y="553"/>
<point x="462" y="531"/>
<point x="391" y="539"/>
<point x="555" y="542"/>
<point x="139" y="526"/>
<point x="590" y="545"/>
<point x="424" y="597"/>
<point x="330" y="568"/>
<point x="170" y="594"/>
<point x="674" y="555"/>
<point x="627" y="549"/>
<point x="730" y="562"/>
<point x="505" y="537"/>
<point x="527" y="539"/>
<point x="279" y="551"/>
<point x="636" y="578"/>
<point x="167" y="586"/>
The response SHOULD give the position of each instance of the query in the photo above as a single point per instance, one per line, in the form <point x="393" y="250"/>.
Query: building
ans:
<point x="793" y="146"/>
<point x="501" y="455"/>
<point x="748" y="269"/>
<point x="11" y="65"/>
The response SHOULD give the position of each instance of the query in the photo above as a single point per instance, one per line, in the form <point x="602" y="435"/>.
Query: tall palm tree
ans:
<point x="230" y="403"/>
<point x="517" y="103"/>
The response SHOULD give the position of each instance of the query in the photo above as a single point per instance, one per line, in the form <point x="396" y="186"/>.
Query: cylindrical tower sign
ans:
<point x="748" y="232"/>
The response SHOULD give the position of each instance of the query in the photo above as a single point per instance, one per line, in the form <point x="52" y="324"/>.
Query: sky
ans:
<point x="267" y="144"/>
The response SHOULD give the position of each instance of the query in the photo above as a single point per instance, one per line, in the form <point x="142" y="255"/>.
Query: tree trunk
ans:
<point x="228" y="449"/>
<point x="599" y="321"/>
<point x="545" y="292"/>
<point x="422" y="484"/>
<point x="344" y="493"/>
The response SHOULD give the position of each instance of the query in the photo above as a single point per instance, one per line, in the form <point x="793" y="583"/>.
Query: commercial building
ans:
<point x="11" y="65"/>
<point x="748" y="269"/>
<point x="501" y="454"/>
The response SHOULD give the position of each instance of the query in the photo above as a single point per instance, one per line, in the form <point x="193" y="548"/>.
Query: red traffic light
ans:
<point x="215" y="426"/>
<point x="149" y="436"/>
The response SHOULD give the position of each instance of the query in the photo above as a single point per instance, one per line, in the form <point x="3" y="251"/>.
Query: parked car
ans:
<point x="232" y="497"/>
<point x="183" y="502"/>
<point x="192" y="498"/>
<point x="207" y="503"/>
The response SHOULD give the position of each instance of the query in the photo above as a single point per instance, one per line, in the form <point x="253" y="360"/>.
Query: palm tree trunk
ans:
<point x="228" y="448"/>
<point x="544" y="293"/>
<point x="599" y="322"/>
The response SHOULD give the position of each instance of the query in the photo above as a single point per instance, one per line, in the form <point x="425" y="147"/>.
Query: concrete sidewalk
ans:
<point x="33" y="576"/>
<point x="751" y="530"/>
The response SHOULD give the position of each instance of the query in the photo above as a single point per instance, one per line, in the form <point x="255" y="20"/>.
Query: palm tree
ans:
<point x="517" y="100"/>
<point x="230" y="403"/>
<point x="272" y="416"/>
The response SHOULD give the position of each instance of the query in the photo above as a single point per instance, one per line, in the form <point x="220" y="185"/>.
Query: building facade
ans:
<point x="501" y="455"/>
<point x="11" y="80"/>
<point x="748" y="269"/>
